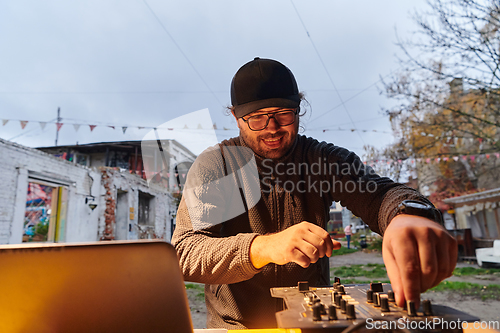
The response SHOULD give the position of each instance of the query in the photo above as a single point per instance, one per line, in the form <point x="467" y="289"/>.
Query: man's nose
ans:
<point x="273" y="124"/>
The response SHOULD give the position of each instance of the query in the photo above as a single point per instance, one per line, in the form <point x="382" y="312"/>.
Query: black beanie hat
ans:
<point x="263" y="83"/>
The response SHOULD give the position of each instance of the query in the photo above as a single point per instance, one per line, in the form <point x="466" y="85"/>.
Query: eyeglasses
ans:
<point x="260" y="121"/>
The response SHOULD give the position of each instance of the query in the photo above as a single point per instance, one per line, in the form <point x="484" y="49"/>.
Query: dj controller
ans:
<point x="364" y="306"/>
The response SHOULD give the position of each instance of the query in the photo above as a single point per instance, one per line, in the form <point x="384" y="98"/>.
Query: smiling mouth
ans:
<point x="273" y="142"/>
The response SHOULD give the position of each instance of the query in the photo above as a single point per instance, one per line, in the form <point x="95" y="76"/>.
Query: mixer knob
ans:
<point x="390" y="294"/>
<point x="343" y="305"/>
<point x="384" y="304"/>
<point x="426" y="304"/>
<point x="350" y="311"/>
<point x="369" y="296"/>
<point x="376" y="299"/>
<point x="336" y="280"/>
<point x="410" y="308"/>
<point x="322" y="308"/>
<point x="332" y="312"/>
<point x="341" y="289"/>
<point x="303" y="286"/>
<point x="333" y="296"/>
<point x="316" y="312"/>
<point x="337" y="300"/>
<point x="377" y="287"/>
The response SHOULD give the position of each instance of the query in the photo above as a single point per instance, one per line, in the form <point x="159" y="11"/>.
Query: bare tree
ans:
<point x="449" y="88"/>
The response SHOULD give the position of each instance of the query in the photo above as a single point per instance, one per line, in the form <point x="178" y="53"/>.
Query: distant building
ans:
<point x="477" y="220"/>
<point x="131" y="156"/>
<point x="89" y="192"/>
<point x="335" y="222"/>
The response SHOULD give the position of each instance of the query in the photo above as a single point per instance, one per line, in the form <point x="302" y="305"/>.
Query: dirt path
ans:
<point x="486" y="310"/>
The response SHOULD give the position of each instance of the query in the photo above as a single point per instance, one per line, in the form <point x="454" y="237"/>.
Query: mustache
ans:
<point x="273" y="136"/>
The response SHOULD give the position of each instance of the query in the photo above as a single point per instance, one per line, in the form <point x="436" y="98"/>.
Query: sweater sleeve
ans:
<point x="205" y="255"/>
<point x="373" y="198"/>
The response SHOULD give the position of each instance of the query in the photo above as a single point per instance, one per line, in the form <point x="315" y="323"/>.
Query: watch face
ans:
<point x="415" y="204"/>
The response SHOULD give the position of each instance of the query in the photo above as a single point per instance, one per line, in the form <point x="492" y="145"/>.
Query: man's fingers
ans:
<point x="453" y="253"/>
<point x="447" y="257"/>
<point x="319" y="243"/>
<point x="327" y="245"/>
<point x="407" y="260"/>
<point x="300" y="258"/>
<point x="429" y="264"/>
<point x="393" y="273"/>
<point x="310" y="251"/>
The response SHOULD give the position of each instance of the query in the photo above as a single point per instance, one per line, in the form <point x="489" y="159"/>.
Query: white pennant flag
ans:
<point x="76" y="126"/>
<point x="124" y="129"/>
<point x="5" y="121"/>
<point x="42" y="124"/>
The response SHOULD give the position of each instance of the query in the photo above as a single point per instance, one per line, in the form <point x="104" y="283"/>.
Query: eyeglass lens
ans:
<point x="261" y="121"/>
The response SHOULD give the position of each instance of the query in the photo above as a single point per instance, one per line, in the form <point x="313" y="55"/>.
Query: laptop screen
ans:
<point x="96" y="287"/>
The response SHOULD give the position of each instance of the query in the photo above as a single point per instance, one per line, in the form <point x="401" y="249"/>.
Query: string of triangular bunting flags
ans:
<point x="429" y="160"/>
<point x="77" y="126"/>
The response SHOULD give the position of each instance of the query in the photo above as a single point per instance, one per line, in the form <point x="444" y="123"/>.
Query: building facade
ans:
<point x="71" y="198"/>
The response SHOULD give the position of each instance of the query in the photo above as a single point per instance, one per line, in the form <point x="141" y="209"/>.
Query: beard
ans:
<point x="269" y="145"/>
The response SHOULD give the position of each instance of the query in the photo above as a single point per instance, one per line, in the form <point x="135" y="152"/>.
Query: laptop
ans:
<point x="94" y="287"/>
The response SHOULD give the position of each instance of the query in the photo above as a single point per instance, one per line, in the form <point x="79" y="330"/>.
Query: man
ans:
<point x="240" y="241"/>
<point x="348" y="234"/>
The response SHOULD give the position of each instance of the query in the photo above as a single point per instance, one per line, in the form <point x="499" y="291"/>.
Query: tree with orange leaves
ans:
<point x="450" y="97"/>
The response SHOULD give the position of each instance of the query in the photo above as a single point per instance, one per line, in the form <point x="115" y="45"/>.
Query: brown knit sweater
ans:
<point x="236" y="293"/>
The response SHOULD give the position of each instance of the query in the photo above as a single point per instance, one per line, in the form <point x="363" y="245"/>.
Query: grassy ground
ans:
<point x="343" y="250"/>
<point x="465" y="271"/>
<point x="377" y="273"/>
<point x="491" y="291"/>
<point x="368" y="271"/>
<point x="199" y="290"/>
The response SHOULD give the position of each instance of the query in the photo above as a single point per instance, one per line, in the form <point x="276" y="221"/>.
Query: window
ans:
<point x="146" y="209"/>
<point x="45" y="215"/>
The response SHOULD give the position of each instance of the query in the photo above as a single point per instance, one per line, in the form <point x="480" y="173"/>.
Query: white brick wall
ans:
<point x="82" y="224"/>
<point x="132" y="184"/>
<point x="16" y="163"/>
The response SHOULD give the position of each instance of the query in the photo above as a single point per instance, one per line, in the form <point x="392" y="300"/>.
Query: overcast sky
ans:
<point x="141" y="63"/>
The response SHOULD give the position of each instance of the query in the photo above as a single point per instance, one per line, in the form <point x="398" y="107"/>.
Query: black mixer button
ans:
<point x="322" y="308"/>
<point x="390" y="294"/>
<point x="303" y="286"/>
<point x="426" y="304"/>
<point x="376" y="287"/>
<point x="332" y="312"/>
<point x="410" y="308"/>
<point x="333" y="296"/>
<point x="316" y="309"/>
<point x="338" y="298"/>
<point x="376" y="299"/>
<point x="341" y="289"/>
<point x="350" y="311"/>
<point x="369" y="296"/>
<point x="384" y="304"/>
<point x="343" y="305"/>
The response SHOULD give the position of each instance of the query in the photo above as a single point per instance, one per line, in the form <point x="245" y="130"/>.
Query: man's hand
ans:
<point x="418" y="254"/>
<point x="303" y="243"/>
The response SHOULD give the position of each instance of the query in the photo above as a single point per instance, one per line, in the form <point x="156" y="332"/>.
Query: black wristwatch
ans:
<point x="418" y="208"/>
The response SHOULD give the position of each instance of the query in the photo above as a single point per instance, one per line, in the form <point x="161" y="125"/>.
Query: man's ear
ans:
<point x="237" y="122"/>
